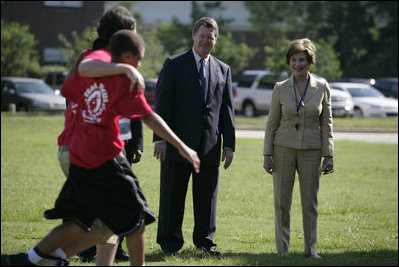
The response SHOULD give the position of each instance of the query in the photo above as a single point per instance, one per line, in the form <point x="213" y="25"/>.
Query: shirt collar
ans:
<point x="197" y="58"/>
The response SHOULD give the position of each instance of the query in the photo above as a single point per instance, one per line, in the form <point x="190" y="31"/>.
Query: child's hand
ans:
<point x="192" y="157"/>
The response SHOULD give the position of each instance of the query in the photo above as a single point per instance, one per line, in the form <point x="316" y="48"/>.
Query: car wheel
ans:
<point x="248" y="110"/>
<point x="357" y="113"/>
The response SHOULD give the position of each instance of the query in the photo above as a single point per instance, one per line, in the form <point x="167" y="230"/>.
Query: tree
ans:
<point x="237" y="56"/>
<point x="327" y="63"/>
<point x="18" y="55"/>
<point x="155" y="55"/>
<point x="176" y="37"/>
<point x="78" y="44"/>
<point x="365" y="32"/>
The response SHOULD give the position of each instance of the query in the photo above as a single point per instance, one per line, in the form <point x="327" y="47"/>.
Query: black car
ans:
<point x="387" y="86"/>
<point x="29" y="94"/>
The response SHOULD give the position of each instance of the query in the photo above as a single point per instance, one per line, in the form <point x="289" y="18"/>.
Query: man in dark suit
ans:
<point x="194" y="97"/>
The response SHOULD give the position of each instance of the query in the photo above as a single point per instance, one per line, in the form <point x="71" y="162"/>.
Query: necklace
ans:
<point x="298" y="105"/>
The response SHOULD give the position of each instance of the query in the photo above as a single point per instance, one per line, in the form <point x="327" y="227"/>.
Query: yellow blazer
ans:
<point x="314" y="119"/>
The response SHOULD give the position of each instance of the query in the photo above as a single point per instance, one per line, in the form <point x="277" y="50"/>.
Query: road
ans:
<point x="391" y="138"/>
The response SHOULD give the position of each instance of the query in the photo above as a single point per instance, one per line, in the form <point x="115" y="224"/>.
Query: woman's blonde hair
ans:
<point x="302" y="45"/>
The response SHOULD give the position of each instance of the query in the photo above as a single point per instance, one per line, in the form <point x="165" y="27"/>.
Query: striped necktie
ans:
<point x="201" y="76"/>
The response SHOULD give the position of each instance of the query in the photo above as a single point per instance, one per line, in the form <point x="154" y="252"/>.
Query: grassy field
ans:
<point x="358" y="203"/>
<point x="377" y="124"/>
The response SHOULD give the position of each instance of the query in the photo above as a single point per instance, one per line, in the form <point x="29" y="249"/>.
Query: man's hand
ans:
<point x="227" y="156"/>
<point x="136" y="156"/>
<point x="160" y="150"/>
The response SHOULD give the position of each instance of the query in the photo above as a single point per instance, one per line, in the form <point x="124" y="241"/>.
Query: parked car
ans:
<point x="387" y="86"/>
<point x="150" y="91"/>
<point x="253" y="93"/>
<point x="369" y="102"/>
<point x="28" y="94"/>
<point x="370" y="81"/>
<point x="341" y="104"/>
<point x="55" y="79"/>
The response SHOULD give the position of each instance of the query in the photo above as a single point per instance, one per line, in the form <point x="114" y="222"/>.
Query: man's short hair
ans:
<point x="126" y="41"/>
<point x="207" y="22"/>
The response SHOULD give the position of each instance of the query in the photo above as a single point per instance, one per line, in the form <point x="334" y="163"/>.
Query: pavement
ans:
<point x="373" y="137"/>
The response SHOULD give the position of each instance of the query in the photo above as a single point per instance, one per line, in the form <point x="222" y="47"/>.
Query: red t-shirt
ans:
<point x="70" y="122"/>
<point x="102" y="102"/>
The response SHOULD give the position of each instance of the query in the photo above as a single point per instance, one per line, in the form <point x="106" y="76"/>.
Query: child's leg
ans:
<point x="60" y="236"/>
<point x="136" y="244"/>
<point x="106" y="254"/>
<point x="81" y="243"/>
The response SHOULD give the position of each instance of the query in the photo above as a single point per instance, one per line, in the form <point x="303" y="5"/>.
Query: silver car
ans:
<point x="29" y="94"/>
<point x="369" y="102"/>
<point x="341" y="104"/>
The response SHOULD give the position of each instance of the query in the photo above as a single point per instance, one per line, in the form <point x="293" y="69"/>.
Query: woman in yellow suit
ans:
<point x="298" y="135"/>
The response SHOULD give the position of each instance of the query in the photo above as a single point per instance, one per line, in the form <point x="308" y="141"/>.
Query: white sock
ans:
<point x="59" y="253"/>
<point x="33" y="257"/>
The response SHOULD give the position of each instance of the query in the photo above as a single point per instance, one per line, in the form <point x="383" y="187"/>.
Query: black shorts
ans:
<point x="110" y="192"/>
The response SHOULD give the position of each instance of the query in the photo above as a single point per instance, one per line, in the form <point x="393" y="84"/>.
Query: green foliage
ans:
<point x="327" y="62"/>
<point x="235" y="55"/>
<point x="362" y="35"/>
<point x="79" y="43"/>
<point x="174" y="36"/>
<point x="18" y="54"/>
<point x="154" y="57"/>
<point x="275" y="56"/>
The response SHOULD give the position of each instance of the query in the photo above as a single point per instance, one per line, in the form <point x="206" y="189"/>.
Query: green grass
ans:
<point x="390" y="124"/>
<point x="358" y="203"/>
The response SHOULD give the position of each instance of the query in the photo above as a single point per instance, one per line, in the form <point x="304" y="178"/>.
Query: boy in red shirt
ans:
<point x="101" y="183"/>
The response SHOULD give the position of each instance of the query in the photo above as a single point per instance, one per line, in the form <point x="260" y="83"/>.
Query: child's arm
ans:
<point x="159" y="126"/>
<point x="97" y="68"/>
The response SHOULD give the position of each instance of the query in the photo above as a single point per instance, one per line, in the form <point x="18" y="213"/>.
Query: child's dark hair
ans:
<point x="115" y="19"/>
<point x="126" y="41"/>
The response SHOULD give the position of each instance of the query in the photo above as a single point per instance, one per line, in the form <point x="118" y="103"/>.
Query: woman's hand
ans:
<point x="268" y="164"/>
<point x="328" y="165"/>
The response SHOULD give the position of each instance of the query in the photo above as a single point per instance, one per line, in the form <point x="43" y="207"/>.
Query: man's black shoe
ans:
<point x="170" y="252"/>
<point x="87" y="259"/>
<point x="121" y="255"/>
<point x="212" y="252"/>
<point x="20" y="259"/>
<point x="88" y="255"/>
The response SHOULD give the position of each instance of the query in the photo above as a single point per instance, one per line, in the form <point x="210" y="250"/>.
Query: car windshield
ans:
<point x="364" y="92"/>
<point x="32" y="87"/>
<point x="246" y="80"/>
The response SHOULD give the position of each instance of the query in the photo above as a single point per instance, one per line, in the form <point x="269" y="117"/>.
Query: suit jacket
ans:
<point x="198" y="123"/>
<point x="315" y="130"/>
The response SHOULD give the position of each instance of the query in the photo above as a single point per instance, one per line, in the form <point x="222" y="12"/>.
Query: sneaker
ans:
<point x="52" y="261"/>
<point x="20" y="259"/>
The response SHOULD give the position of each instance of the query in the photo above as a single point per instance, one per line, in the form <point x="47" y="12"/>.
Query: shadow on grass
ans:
<point x="350" y="258"/>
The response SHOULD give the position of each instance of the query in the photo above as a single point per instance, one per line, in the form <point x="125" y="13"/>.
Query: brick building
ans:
<point x="48" y="19"/>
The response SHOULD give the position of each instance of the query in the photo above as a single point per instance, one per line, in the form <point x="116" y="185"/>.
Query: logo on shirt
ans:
<point x="96" y="98"/>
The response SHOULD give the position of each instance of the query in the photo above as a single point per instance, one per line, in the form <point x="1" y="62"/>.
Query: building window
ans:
<point x="75" y="4"/>
<point x="53" y="55"/>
